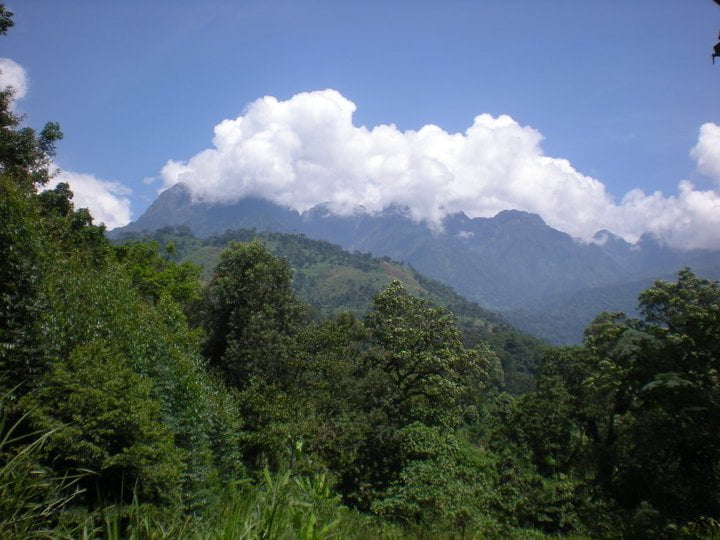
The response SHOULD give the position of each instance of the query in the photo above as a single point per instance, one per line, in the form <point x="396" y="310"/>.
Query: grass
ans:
<point x="31" y="496"/>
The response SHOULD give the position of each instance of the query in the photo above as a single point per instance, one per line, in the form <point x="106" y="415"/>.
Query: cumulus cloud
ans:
<point x="13" y="75"/>
<point x="108" y="202"/>
<point x="306" y="151"/>
<point x="707" y="151"/>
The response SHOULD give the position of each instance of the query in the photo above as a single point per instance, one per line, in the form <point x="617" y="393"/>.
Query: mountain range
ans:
<point x="542" y="280"/>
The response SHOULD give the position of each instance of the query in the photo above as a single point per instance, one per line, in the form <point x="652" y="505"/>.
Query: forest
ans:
<point x="141" y="401"/>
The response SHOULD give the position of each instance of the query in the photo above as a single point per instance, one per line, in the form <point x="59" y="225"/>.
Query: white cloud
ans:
<point x="707" y="151"/>
<point x="13" y="75"/>
<point x="107" y="201"/>
<point x="306" y="151"/>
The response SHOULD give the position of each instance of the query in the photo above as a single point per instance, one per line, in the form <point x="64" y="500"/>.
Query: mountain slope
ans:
<point x="513" y="262"/>
<point x="562" y="319"/>
<point x="331" y="280"/>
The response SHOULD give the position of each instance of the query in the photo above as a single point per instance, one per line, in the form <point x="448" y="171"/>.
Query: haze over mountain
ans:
<point x="513" y="262"/>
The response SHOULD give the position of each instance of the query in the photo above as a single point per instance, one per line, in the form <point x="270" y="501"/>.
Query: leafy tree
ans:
<point x="412" y="383"/>
<point x="25" y="155"/>
<point x="635" y="411"/>
<point x="110" y="381"/>
<point x="133" y="342"/>
<point x="414" y="359"/>
<point x="252" y="319"/>
<point x="24" y="163"/>
<point x="443" y="484"/>
<point x="71" y="230"/>
<point x="251" y="315"/>
<point x="21" y="300"/>
<point x="155" y="276"/>
<point x="24" y="160"/>
<point x="107" y="423"/>
<point x="669" y="447"/>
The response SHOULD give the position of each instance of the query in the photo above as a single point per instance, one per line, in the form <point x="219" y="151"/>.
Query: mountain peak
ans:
<point x="651" y="242"/>
<point x="519" y="216"/>
<point x="176" y="192"/>
<point x="605" y="237"/>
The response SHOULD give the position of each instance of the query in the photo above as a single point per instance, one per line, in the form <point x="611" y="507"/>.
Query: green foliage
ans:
<point x="442" y="486"/>
<point x="152" y="343"/>
<point x="31" y="496"/>
<point x="332" y="281"/>
<point x="156" y="276"/>
<point x="71" y="230"/>
<point x="25" y="155"/>
<point x="414" y="378"/>
<point x="112" y="426"/>
<point x="21" y="274"/>
<point x="416" y="350"/>
<point x="633" y="415"/>
<point x="671" y="426"/>
<point x="250" y="314"/>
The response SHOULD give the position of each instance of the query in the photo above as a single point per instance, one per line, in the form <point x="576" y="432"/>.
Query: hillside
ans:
<point x="511" y="263"/>
<point x="331" y="280"/>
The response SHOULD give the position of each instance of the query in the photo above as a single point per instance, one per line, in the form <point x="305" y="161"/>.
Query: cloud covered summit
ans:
<point x="306" y="151"/>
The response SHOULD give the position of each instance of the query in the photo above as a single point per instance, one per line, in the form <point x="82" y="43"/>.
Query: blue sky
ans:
<point x="619" y="89"/>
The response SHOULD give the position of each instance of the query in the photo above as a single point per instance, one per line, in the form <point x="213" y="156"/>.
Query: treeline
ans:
<point x="138" y="402"/>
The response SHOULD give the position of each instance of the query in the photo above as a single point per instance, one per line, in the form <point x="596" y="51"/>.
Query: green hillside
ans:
<point x="331" y="281"/>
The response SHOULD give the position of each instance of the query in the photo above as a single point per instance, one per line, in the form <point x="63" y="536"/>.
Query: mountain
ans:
<point x="513" y="262"/>
<point x="176" y="206"/>
<point x="331" y="280"/>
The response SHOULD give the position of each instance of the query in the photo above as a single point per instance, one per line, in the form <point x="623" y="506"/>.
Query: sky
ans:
<point x="594" y="114"/>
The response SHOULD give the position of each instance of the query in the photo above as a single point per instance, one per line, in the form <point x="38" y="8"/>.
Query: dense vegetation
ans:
<point x="332" y="281"/>
<point x="138" y="401"/>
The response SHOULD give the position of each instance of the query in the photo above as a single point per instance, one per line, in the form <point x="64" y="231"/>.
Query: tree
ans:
<point x="24" y="162"/>
<point x="155" y="276"/>
<point x="252" y="319"/>
<point x="22" y="304"/>
<point x="669" y="452"/>
<point x="111" y="382"/>
<point x="412" y="383"/>
<point x="443" y="484"/>
<point x="71" y="230"/>
<point x="24" y="154"/>
<point x="416" y="350"/>
<point x="106" y="421"/>
<point x="251" y="314"/>
<point x="639" y="407"/>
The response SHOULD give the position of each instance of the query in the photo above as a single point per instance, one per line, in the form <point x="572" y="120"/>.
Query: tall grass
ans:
<point x="31" y="496"/>
<point x="135" y="521"/>
<point x="280" y="506"/>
